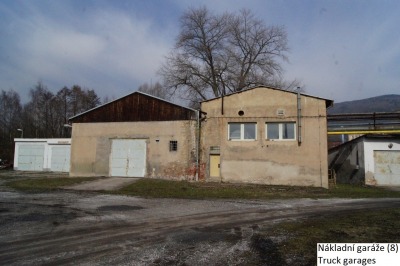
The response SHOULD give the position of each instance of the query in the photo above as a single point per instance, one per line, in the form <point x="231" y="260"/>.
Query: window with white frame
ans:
<point x="242" y="131"/>
<point x="280" y="131"/>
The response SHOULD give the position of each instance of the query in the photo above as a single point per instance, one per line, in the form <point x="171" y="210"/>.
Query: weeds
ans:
<point x="46" y="184"/>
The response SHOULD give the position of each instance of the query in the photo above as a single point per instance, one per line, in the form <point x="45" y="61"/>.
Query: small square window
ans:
<point x="173" y="145"/>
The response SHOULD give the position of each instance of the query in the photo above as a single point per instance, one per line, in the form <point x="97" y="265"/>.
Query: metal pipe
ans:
<point x="197" y="136"/>
<point x="395" y="131"/>
<point x="222" y="105"/>
<point x="299" y="140"/>
<point x="22" y="132"/>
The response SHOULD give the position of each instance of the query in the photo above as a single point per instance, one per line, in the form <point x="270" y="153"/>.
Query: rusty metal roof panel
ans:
<point x="136" y="106"/>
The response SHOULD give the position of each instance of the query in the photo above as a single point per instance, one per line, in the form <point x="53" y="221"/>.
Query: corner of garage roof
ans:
<point x="135" y="92"/>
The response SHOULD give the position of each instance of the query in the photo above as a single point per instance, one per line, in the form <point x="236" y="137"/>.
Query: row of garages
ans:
<point x="370" y="159"/>
<point x="42" y="155"/>
<point x="261" y="135"/>
<point x="128" y="156"/>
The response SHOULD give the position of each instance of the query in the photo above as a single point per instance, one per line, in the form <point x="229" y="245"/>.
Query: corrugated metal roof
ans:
<point x="366" y="137"/>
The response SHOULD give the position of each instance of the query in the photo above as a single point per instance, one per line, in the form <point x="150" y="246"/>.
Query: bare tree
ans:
<point x="10" y="121"/>
<point x="45" y="114"/>
<point x="218" y="54"/>
<point x="254" y="50"/>
<point x="38" y="113"/>
<point x="288" y="85"/>
<point x="156" y="90"/>
<point x="82" y="100"/>
<point x="107" y="99"/>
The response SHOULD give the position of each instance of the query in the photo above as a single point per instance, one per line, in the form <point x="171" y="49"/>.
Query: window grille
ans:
<point x="173" y="145"/>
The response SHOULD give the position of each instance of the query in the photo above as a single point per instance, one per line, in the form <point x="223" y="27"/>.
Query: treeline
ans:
<point x="43" y="116"/>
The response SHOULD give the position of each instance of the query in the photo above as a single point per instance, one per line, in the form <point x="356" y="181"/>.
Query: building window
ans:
<point x="280" y="131"/>
<point x="173" y="145"/>
<point x="242" y="131"/>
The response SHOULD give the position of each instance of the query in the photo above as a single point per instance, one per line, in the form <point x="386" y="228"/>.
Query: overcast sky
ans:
<point x="339" y="49"/>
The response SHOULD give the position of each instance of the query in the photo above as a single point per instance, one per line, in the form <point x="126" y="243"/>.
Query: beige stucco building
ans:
<point x="262" y="135"/>
<point x="265" y="136"/>
<point x="141" y="149"/>
<point x="135" y="136"/>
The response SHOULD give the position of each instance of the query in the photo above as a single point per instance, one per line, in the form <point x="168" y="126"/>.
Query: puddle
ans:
<point x="120" y="208"/>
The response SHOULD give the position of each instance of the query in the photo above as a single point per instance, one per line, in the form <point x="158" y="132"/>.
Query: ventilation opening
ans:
<point x="280" y="112"/>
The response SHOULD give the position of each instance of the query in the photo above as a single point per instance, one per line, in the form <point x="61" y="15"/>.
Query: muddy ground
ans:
<point x="87" y="228"/>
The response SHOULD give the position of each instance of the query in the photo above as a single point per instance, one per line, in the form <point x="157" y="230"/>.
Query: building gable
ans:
<point x="266" y="91"/>
<point x="264" y="102"/>
<point x="135" y="107"/>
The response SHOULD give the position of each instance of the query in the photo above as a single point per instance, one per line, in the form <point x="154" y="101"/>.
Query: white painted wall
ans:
<point x="371" y="145"/>
<point x="48" y="145"/>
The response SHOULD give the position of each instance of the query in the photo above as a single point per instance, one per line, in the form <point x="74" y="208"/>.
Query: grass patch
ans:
<point x="296" y="242"/>
<point x="46" y="184"/>
<point x="158" y="188"/>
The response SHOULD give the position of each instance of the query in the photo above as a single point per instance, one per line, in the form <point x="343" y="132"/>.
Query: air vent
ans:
<point x="280" y="112"/>
<point x="214" y="150"/>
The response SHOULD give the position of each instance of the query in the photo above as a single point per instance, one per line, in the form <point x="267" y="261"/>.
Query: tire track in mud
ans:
<point x="102" y="239"/>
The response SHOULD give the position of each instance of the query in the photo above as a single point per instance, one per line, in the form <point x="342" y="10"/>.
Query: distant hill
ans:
<point x="384" y="103"/>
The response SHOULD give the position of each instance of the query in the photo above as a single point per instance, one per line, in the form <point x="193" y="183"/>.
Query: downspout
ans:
<point x="197" y="145"/>
<point x="198" y="142"/>
<point x="299" y="139"/>
<point x="222" y="104"/>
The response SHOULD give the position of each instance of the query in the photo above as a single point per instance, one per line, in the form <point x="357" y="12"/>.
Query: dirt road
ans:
<point x="93" y="229"/>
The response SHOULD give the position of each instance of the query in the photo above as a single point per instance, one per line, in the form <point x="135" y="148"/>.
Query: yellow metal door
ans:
<point x="215" y="162"/>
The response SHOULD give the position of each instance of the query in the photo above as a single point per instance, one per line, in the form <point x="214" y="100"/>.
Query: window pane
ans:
<point x="272" y="131"/>
<point x="234" y="131"/>
<point x="250" y="131"/>
<point x="288" y="131"/>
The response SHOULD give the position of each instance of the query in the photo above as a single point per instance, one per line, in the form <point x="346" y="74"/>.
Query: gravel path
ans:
<point x="88" y="228"/>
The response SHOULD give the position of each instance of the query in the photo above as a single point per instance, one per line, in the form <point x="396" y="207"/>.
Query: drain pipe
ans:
<point x="299" y="139"/>
<point x="197" y="145"/>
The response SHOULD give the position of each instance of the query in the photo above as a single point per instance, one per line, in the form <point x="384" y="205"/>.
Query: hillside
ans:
<point x="384" y="103"/>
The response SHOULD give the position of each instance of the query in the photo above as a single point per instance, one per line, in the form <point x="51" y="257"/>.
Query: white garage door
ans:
<point x="60" y="158"/>
<point x="128" y="157"/>
<point x="31" y="157"/>
<point x="387" y="168"/>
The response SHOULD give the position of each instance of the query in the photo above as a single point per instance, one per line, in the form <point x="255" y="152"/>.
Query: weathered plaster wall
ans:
<point x="377" y="145"/>
<point x="91" y="147"/>
<point x="265" y="161"/>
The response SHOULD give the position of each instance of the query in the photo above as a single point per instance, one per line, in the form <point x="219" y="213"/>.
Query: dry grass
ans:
<point x="295" y="243"/>
<point x="158" y="188"/>
<point x="46" y="184"/>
